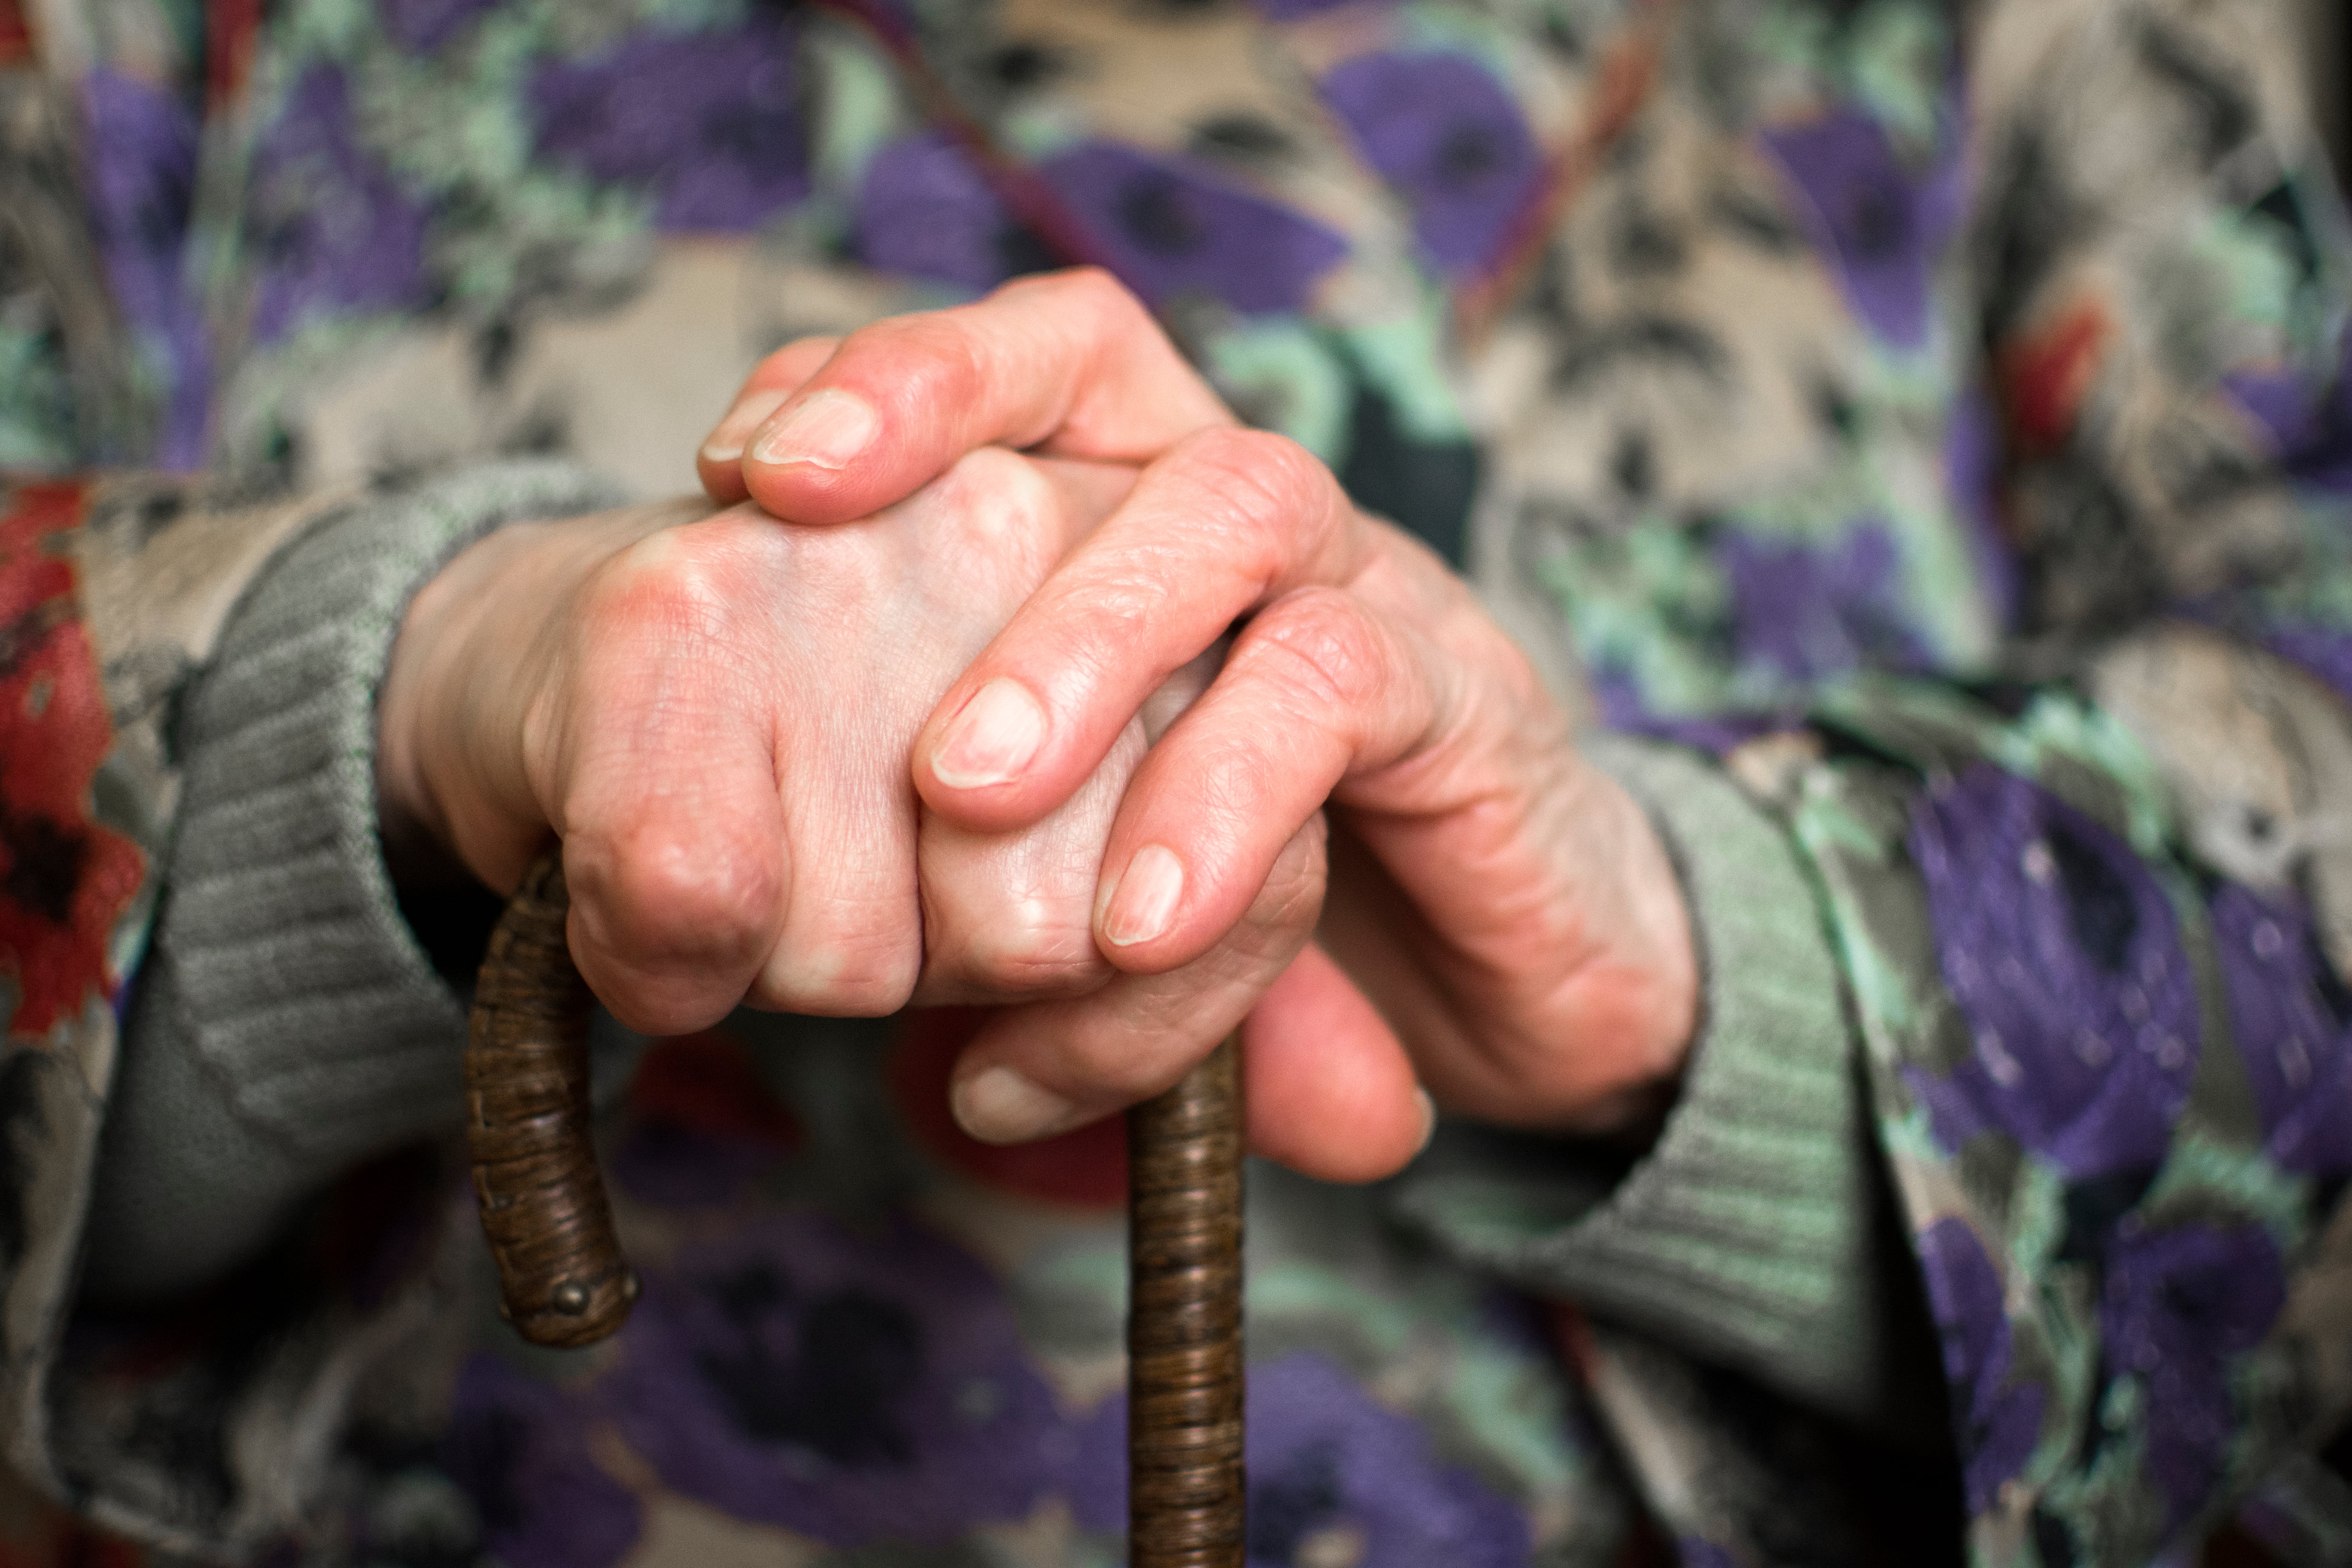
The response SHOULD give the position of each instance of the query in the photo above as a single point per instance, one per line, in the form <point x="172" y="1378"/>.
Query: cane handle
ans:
<point x="562" y="1278"/>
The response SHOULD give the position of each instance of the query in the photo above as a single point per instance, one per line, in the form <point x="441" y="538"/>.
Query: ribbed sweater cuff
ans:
<point x="300" y="986"/>
<point x="1747" y="1235"/>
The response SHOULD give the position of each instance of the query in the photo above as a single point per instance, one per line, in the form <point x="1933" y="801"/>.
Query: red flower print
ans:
<point x="64" y="880"/>
<point x="2046" y="374"/>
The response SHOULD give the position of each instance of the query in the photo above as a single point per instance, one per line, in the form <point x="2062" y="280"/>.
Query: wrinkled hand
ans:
<point x="1506" y="906"/>
<point x="716" y="712"/>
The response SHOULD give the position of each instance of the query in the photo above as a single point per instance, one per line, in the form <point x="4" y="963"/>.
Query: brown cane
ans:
<point x="562" y="1278"/>
<point x="564" y="1282"/>
<point x="1184" y="1320"/>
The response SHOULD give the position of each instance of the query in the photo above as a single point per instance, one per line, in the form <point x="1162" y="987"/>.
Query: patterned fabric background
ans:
<point x="1937" y="416"/>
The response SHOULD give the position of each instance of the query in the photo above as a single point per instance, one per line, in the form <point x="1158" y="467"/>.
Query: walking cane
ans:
<point x="564" y="1282"/>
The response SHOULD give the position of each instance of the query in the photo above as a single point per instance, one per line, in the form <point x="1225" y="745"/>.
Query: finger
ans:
<point x="1223" y="523"/>
<point x="850" y="943"/>
<point x="900" y="604"/>
<point x="1329" y="1090"/>
<point x="664" y="791"/>
<point x="720" y="461"/>
<point x="1317" y="688"/>
<point x="1009" y="917"/>
<point x="1070" y="364"/>
<point x="1047" y="1067"/>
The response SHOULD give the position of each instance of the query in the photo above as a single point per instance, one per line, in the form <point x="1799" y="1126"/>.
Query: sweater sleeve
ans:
<point x="1755" y="1232"/>
<point x="287" y="1024"/>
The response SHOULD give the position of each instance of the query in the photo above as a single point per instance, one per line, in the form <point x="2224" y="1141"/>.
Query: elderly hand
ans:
<point x="718" y="714"/>
<point x="1506" y="906"/>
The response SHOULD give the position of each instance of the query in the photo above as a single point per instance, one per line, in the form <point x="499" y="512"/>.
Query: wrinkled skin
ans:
<point x="899" y="746"/>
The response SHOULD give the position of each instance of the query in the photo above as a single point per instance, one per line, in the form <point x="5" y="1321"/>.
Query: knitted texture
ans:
<point x="287" y="1022"/>
<point x="1746" y="1235"/>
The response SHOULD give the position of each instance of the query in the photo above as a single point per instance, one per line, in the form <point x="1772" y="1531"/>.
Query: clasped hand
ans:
<point x="956" y="730"/>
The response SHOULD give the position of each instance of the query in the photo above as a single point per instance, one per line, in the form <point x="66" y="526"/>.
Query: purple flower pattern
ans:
<point x="2306" y="428"/>
<point x="2323" y="652"/>
<point x="2064" y="957"/>
<point x="1449" y="139"/>
<point x="1998" y="1418"/>
<point x="1805" y="613"/>
<point x="1324" y="1461"/>
<point x="335" y="234"/>
<point x="140" y="150"/>
<point x="2288" y="1016"/>
<point x="1880" y="225"/>
<point x="2181" y="1305"/>
<point x="2088" y="1033"/>
<point x="1169" y="227"/>
<point x="853" y="1387"/>
<point x="736" y="158"/>
<point x="925" y="210"/>
<point x="518" y="1448"/>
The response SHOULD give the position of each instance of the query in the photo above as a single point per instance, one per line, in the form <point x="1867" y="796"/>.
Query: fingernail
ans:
<point x="825" y="431"/>
<point x="992" y="738"/>
<point x="1428" y="1119"/>
<point x="1146" y="899"/>
<point x="998" y="1105"/>
<point x="726" y="443"/>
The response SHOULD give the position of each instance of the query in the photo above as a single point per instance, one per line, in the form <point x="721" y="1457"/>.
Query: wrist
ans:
<point x="451" y="662"/>
<point x="1618" y="1033"/>
<point x="1654" y="917"/>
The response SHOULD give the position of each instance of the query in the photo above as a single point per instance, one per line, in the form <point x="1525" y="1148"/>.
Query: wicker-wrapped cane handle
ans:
<point x="564" y="1282"/>
<point x="561" y="1279"/>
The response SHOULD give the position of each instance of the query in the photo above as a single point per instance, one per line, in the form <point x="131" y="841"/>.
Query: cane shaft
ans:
<point x="1185" y="1321"/>
<point x="561" y="1279"/>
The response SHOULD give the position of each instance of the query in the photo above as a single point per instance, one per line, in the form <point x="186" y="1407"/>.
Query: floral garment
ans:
<point x="1936" y="415"/>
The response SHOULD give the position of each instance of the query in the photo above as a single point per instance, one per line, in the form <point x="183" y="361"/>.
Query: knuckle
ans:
<point x="845" y="970"/>
<point x="1266" y="490"/>
<point x="1098" y="294"/>
<point x="1291" y="901"/>
<point x="987" y="533"/>
<point x="999" y="501"/>
<point x="1319" y="648"/>
<point x="951" y="369"/>
<point x="664" y="893"/>
<point x="669" y="583"/>
<point x="927" y="361"/>
<point x="1120" y="613"/>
